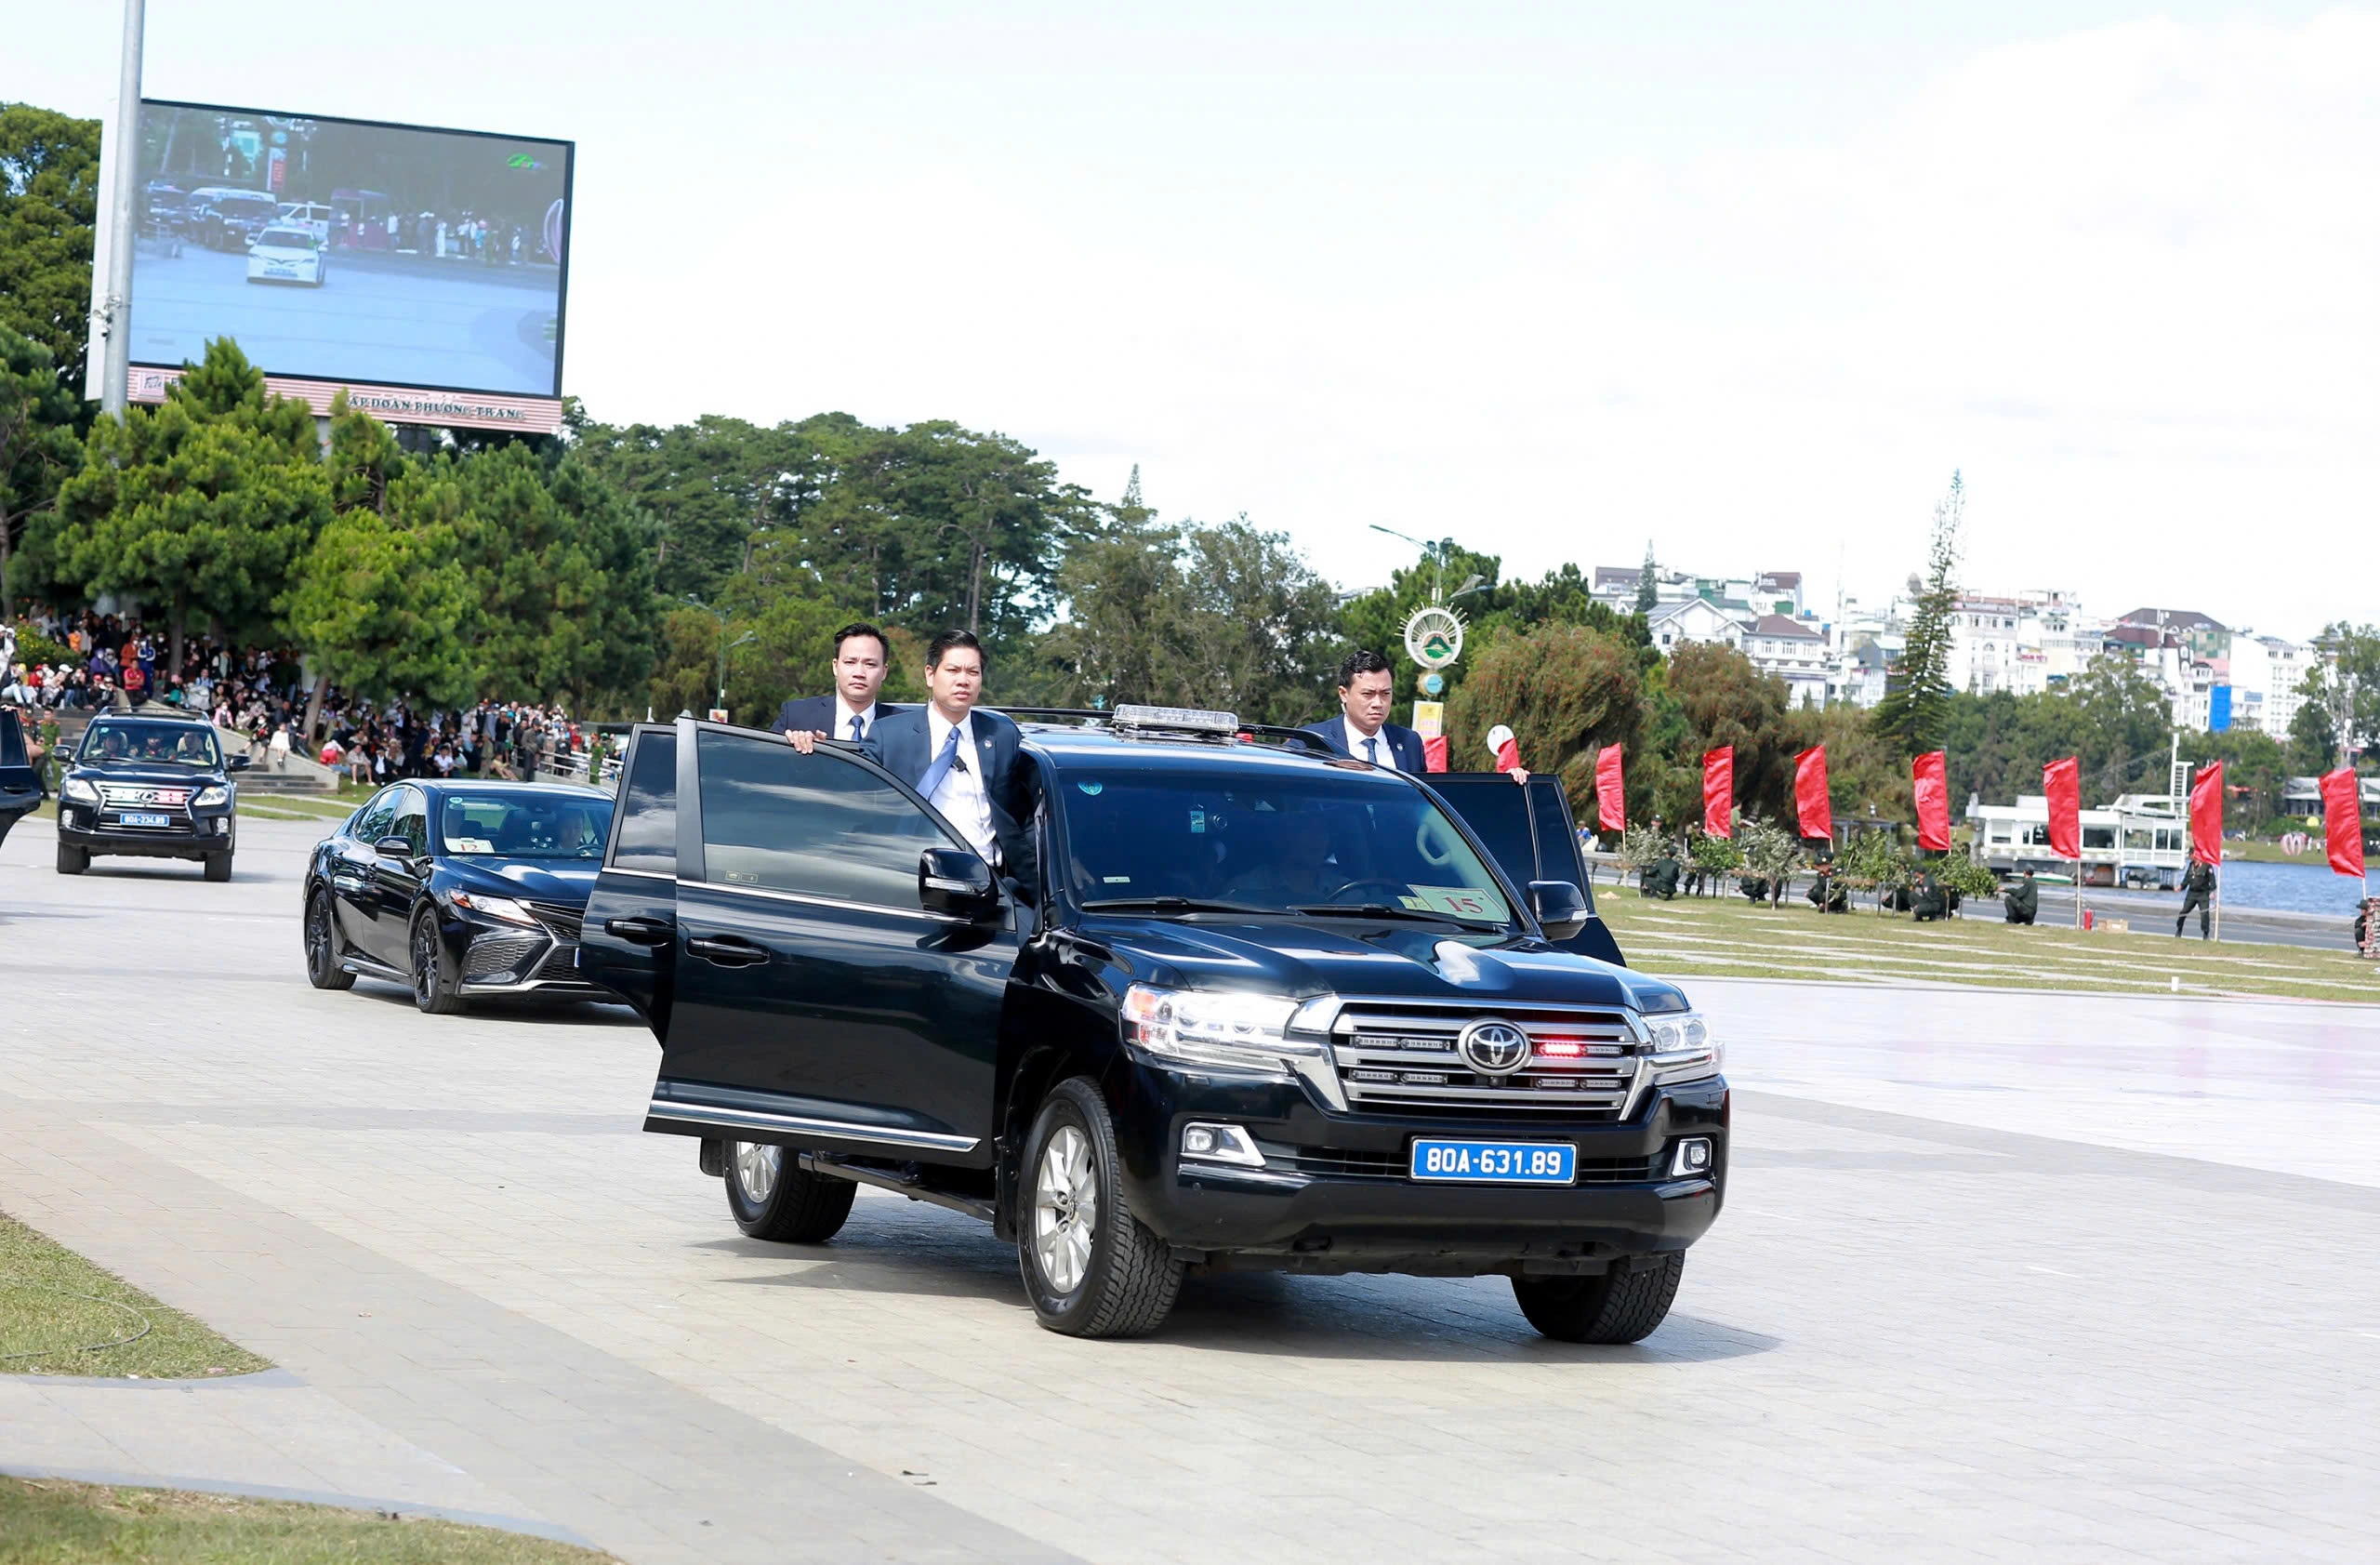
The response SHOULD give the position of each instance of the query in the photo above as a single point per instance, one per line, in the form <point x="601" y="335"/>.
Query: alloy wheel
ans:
<point x="1065" y="1209"/>
<point x="425" y="960"/>
<point x="318" y="935"/>
<point x="757" y="1167"/>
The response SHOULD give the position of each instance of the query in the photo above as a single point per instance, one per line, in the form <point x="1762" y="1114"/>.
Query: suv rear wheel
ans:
<point x="1091" y="1268"/>
<point x="1615" y="1307"/>
<point x="774" y="1197"/>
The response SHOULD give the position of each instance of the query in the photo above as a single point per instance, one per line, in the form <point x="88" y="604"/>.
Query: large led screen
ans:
<point x="351" y="252"/>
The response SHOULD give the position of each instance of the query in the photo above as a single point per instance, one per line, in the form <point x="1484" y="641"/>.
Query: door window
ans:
<point x="413" y="820"/>
<point x="820" y="825"/>
<point x="373" y="824"/>
<point x="648" y="838"/>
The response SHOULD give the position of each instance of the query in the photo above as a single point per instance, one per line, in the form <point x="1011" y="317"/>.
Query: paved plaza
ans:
<point x="2001" y="1276"/>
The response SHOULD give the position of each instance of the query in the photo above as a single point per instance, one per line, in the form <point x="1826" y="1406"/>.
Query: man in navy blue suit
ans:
<point x="850" y="714"/>
<point x="1367" y="685"/>
<point x="970" y="765"/>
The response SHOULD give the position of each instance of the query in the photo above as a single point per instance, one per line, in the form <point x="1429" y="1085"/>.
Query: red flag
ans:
<point x="2343" y="820"/>
<point x="1505" y="748"/>
<point x="2062" y="780"/>
<point x="2207" y="815"/>
<point x="1434" y="753"/>
<point x="1611" y="802"/>
<point x="1930" y="775"/>
<point x="1811" y="802"/>
<point x="1718" y="789"/>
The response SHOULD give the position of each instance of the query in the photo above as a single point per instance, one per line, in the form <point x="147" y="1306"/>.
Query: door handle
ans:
<point x="638" y="932"/>
<point x="726" y="951"/>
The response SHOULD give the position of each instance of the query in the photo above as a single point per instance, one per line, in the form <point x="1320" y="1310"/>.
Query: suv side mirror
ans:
<point x="395" y="847"/>
<point x="957" y="884"/>
<point x="237" y="763"/>
<point x="1561" y="908"/>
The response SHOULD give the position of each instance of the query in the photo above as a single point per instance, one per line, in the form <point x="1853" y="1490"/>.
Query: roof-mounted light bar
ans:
<point x="1189" y="720"/>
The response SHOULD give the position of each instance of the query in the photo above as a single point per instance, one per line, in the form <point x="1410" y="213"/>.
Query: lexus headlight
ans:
<point x="502" y="908"/>
<point x="210" y="797"/>
<point x="1243" y="1032"/>
<point x="78" y="790"/>
<point x="1683" y="1048"/>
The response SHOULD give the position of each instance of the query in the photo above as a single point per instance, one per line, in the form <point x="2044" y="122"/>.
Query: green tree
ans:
<point x="1565" y="690"/>
<point x="1648" y="588"/>
<point x="203" y="505"/>
<point x="1376" y="619"/>
<point x="38" y="448"/>
<point x="2353" y="686"/>
<point x="2253" y="769"/>
<point x="1715" y="697"/>
<point x="2313" y="734"/>
<point x="49" y="178"/>
<point x="1918" y="685"/>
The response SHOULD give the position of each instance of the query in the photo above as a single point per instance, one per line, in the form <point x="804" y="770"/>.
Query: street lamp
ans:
<point x="1436" y="553"/>
<point x="725" y="646"/>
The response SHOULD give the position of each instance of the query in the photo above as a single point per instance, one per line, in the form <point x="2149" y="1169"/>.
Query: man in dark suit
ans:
<point x="850" y="714"/>
<point x="970" y="765"/>
<point x="1367" y="685"/>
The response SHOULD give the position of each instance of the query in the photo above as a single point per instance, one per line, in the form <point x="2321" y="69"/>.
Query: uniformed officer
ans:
<point x="2023" y="900"/>
<point x="1926" y="902"/>
<point x="2198" y="891"/>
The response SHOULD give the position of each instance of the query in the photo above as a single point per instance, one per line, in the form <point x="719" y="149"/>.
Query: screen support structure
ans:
<point x="113" y="312"/>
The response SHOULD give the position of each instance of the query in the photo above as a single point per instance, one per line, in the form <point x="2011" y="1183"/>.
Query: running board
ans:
<point x="820" y="1163"/>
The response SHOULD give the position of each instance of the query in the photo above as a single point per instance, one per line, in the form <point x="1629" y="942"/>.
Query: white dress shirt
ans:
<point x="844" y="712"/>
<point x="1387" y="757"/>
<point x="959" y="796"/>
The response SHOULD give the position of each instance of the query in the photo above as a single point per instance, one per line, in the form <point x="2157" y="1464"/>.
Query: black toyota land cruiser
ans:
<point x="1270" y="1010"/>
<point x="150" y="784"/>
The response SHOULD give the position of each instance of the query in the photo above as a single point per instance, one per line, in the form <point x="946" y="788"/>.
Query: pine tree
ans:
<point x="1917" y="686"/>
<point x="1648" y="592"/>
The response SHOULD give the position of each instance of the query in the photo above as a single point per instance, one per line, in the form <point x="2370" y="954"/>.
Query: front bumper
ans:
<point x="198" y="835"/>
<point x="499" y="959"/>
<point x="1334" y="1196"/>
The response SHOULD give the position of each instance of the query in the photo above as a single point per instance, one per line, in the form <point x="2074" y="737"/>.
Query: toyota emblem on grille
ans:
<point x="1494" y="1048"/>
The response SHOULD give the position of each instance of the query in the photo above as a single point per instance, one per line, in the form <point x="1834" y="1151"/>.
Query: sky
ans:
<point x="1745" y="281"/>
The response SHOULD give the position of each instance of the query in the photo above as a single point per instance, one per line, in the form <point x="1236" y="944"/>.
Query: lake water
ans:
<point x="2293" y="888"/>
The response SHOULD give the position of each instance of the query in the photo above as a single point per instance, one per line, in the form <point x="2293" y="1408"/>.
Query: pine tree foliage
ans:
<point x="1917" y="688"/>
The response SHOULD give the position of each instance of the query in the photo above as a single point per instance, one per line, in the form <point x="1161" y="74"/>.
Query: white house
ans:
<point x="1694" y="620"/>
<point x="1794" y="650"/>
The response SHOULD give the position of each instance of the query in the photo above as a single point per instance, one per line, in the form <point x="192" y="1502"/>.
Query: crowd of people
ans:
<point x="114" y="663"/>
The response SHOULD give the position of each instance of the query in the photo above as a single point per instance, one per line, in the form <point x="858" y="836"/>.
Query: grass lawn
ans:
<point x="59" y="1523"/>
<point x="1729" y="937"/>
<point x="62" y="1315"/>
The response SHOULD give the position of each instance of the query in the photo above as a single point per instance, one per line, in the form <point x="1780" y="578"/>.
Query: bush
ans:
<point x="34" y="649"/>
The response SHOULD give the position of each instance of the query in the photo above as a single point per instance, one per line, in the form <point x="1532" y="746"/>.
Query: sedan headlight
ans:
<point x="1243" y="1032"/>
<point x="78" y="790"/>
<point x="502" y="908"/>
<point x="1683" y="1048"/>
<point x="210" y="797"/>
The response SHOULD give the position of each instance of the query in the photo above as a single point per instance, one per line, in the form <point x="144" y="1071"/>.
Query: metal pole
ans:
<point x="116" y="369"/>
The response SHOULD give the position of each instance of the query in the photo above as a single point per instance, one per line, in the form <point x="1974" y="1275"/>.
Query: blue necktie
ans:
<point x="1371" y="749"/>
<point x="942" y="763"/>
<point x="856" y="735"/>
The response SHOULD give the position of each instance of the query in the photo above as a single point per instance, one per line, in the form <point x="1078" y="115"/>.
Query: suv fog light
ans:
<point x="1692" y="1157"/>
<point x="1220" y="1144"/>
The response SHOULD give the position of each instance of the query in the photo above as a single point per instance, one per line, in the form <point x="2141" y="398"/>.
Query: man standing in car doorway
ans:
<point x="862" y="655"/>
<point x="1367" y="686"/>
<point x="970" y="765"/>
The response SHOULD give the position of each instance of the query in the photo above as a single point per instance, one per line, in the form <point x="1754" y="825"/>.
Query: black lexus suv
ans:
<point x="1271" y="1010"/>
<point x="151" y="783"/>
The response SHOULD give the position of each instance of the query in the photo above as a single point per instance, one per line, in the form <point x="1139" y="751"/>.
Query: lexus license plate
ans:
<point x="1495" y="1162"/>
<point x="148" y="820"/>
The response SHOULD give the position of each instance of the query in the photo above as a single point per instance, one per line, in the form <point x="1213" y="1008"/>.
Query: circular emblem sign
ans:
<point x="1493" y="1047"/>
<point x="1433" y="637"/>
<point x="1434" y="685"/>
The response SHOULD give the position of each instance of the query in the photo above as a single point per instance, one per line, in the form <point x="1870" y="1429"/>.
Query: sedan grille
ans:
<point x="564" y="920"/>
<point x="1405" y="1059"/>
<point x="560" y="963"/>
<point x="499" y="953"/>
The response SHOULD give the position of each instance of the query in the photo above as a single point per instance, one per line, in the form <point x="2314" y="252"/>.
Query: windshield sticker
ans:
<point x="1093" y="788"/>
<point x="1466" y="902"/>
<point x="1116" y="879"/>
<point x="1419" y="904"/>
<point x="470" y="844"/>
<point x="1197" y="819"/>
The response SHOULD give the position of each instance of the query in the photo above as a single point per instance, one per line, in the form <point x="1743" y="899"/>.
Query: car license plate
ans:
<point x="1495" y="1162"/>
<point x="148" y="820"/>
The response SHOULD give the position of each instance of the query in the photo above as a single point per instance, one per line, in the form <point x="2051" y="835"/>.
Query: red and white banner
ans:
<point x="1812" y="802"/>
<point x="1718" y="790"/>
<point x="1434" y="753"/>
<point x="2062" y="783"/>
<point x="1611" y="795"/>
<point x="1505" y="747"/>
<point x="2207" y="815"/>
<point x="2343" y="821"/>
<point x="1930" y="777"/>
<point x="391" y="404"/>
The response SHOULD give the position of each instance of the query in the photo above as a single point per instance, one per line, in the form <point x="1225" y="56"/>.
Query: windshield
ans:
<point x="150" y="744"/>
<point x="1270" y="844"/>
<point x="524" y="825"/>
<point x="246" y="207"/>
<point x="287" y="238"/>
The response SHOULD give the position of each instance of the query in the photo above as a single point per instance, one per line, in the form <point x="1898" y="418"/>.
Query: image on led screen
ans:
<point x="353" y="251"/>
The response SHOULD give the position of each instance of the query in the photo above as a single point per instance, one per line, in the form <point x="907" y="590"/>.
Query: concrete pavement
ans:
<point x="1967" y="1301"/>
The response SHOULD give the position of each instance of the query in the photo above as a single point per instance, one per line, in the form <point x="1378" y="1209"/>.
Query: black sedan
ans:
<point x="458" y="890"/>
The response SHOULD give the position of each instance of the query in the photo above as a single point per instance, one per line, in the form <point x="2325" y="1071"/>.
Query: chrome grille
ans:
<point x="1582" y="1063"/>
<point x="145" y="795"/>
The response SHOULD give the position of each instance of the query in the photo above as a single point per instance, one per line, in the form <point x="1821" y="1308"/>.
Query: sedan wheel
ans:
<point x="322" y="970"/>
<point x="433" y="990"/>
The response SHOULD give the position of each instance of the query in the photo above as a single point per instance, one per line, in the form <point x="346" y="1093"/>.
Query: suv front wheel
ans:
<point x="1615" y="1307"/>
<point x="1091" y="1268"/>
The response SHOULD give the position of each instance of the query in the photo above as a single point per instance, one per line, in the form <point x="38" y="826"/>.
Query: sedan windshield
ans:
<point x="524" y="825"/>
<point x="1299" y="845"/>
<point x="150" y="744"/>
<point x="285" y="239"/>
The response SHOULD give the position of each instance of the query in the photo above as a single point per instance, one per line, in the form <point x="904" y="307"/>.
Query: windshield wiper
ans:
<point x="1177" y="904"/>
<point x="1383" y="910"/>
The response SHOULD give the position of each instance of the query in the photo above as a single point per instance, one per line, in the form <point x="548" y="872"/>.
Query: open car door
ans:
<point x="631" y="922"/>
<point x="1530" y="830"/>
<point x="22" y="789"/>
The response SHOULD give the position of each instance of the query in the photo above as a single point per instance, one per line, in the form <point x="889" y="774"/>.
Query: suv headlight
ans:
<point x="210" y="796"/>
<point x="1243" y="1032"/>
<point x="1683" y="1048"/>
<point x="76" y="789"/>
